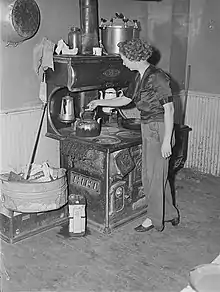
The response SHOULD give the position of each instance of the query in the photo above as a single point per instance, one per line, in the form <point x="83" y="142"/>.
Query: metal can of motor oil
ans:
<point x="77" y="215"/>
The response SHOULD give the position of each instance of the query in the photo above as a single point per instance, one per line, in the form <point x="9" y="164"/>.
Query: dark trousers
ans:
<point x="155" y="175"/>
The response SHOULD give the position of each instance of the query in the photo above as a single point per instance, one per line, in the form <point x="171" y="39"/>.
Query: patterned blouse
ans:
<point x="150" y="94"/>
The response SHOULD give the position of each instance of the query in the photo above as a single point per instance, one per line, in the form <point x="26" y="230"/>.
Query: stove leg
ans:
<point x="106" y="229"/>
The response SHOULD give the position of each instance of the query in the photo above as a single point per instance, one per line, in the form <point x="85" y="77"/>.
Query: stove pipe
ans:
<point x="89" y="25"/>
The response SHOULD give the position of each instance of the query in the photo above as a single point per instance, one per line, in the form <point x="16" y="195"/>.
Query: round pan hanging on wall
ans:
<point x="20" y="20"/>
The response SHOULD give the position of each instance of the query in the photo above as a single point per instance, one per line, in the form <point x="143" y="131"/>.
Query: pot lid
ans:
<point x="21" y="21"/>
<point x="26" y="17"/>
<point x="119" y="21"/>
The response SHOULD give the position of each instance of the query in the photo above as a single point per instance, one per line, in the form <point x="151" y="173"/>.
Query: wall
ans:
<point x="179" y="41"/>
<point x="20" y="84"/>
<point x="56" y="18"/>
<point x="18" y="135"/>
<point x="203" y="116"/>
<point x="159" y="25"/>
<point x="203" y="46"/>
<point x="20" y="105"/>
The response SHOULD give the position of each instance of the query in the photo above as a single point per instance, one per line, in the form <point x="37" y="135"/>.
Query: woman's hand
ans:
<point x="166" y="150"/>
<point x="93" y="104"/>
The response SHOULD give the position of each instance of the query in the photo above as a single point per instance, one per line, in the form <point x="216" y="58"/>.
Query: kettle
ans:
<point x="87" y="125"/>
<point x="66" y="114"/>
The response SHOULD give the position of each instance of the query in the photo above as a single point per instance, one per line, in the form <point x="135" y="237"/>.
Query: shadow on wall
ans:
<point x="178" y="106"/>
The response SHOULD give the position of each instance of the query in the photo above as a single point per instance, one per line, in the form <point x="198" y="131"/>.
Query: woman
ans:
<point x="153" y="98"/>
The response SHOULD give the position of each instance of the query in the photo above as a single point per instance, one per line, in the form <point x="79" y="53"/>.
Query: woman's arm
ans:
<point x="166" y="100"/>
<point x="114" y="102"/>
<point x="166" y="148"/>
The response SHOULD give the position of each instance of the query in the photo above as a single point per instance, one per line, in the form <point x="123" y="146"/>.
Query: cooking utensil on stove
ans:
<point x="87" y="125"/>
<point x="75" y="39"/>
<point x="118" y="29"/>
<point x="66" y="114"/>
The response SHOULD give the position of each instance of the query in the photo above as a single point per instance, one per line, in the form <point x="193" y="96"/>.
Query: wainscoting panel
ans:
<point x="203" y="116"/>
<point x="19" y="128"/>
<point x="18" y="133"/>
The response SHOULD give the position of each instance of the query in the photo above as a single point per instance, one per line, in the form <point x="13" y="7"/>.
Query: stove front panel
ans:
<point x="111" y="183"/>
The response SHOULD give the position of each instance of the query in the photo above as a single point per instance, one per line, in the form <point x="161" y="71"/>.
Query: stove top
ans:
<point x="128" y="134"/>
<point x="107" y="140"/>
<point x="111" y="137"/>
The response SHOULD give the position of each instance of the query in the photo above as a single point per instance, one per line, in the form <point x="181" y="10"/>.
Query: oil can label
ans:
<point x="76" y="218"/>
<point x="85" y="182"/>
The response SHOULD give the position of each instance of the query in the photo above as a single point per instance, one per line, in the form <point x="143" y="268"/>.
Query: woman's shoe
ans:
<point x="174" y="221"/>
<point x="141" y="228"/>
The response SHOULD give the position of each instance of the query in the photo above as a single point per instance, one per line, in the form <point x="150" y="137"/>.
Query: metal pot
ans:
<point x="118" y="29"/>
<point x="113" y="34"/>
<point x="20" y="20"/>
<point x="87" y="125"/>
<point x="66" y="114"/>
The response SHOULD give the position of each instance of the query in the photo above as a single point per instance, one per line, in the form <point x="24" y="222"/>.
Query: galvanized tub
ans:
<point x="31" y="197"/>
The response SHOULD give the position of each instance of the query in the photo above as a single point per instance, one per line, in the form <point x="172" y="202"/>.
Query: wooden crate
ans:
<point x="18" y="226"/>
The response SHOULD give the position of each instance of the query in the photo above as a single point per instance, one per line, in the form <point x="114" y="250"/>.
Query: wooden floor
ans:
<point x="124" y="260"/>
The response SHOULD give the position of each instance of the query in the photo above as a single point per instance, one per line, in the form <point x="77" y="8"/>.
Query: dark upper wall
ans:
<point x="204" y="46"/>
<point x="159" y="22"/>
<point x="187" y="33"/>
<point x="179" y="42"/>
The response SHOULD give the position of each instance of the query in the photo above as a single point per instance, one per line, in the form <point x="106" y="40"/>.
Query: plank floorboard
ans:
<point x="124" y="260"/>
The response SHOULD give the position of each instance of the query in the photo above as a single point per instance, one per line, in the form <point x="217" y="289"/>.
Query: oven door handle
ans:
<point x="71" y="77"/>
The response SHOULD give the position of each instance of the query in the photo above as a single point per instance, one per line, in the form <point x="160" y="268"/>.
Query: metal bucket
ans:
<point x="112" y="35"/>
<point x="32" y="197"/>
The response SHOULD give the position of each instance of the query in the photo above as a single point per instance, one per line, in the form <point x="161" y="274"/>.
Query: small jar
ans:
<point x="74" y="38"/>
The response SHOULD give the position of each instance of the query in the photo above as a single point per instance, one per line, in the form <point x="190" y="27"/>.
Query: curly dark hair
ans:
<point x="136" y="50"/>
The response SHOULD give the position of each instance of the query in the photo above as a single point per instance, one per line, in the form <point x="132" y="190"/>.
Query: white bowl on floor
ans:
<point x="205" y="278"/>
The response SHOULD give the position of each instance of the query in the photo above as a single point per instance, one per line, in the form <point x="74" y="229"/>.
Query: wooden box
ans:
<point x="17" y="226"/>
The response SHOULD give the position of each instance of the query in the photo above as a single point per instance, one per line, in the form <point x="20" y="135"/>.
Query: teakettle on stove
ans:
<point x="87" y="125"/>
<point x="66" y="114"/>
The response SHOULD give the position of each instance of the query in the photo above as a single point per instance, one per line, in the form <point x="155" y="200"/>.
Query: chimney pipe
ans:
<point x="89" y="25"/>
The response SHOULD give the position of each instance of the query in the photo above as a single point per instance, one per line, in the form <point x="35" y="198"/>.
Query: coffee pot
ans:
<point x="66" y="114"/>
<point x="110" y="93"/>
